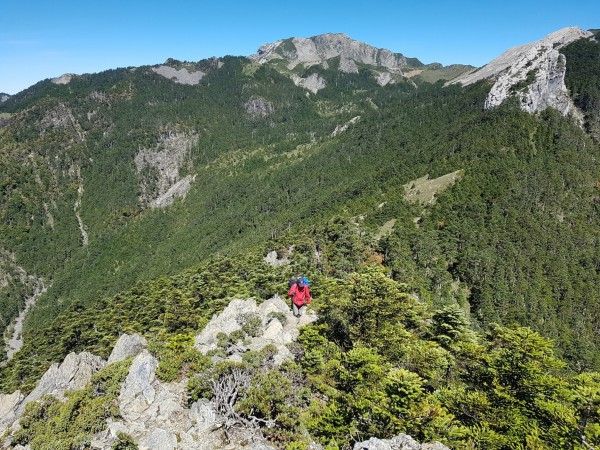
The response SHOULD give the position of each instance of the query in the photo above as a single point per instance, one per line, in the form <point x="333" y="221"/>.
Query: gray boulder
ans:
<point x="137" y="392"/>
<point x="400" y="442"/>
<point x="9" y="404"/>
<point x="278" y="327"/>
<point x="127" y="345"/>
<point x="74" y="373"/>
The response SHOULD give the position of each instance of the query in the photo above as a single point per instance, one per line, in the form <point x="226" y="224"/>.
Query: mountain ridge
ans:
<point x="449" y="246"/>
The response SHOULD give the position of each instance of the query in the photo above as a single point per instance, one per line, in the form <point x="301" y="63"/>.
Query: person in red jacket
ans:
<point x="300" y="296"/>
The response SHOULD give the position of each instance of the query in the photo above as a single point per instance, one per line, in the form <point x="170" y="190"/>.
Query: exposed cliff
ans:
<point x="534" y="73"/>
<point x="318" y="49"/>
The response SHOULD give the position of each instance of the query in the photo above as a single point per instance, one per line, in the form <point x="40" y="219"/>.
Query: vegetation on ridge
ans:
<point x="446" y="324"/>
<point x="380" y="361"/>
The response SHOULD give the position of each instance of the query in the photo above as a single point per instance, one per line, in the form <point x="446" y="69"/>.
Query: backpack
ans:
<point x="306" y="282"/>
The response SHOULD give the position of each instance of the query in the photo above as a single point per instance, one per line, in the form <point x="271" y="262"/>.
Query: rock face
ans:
<point x="533" y="72"/>
<point x="4" y="97"/>
<point x="127" y="345"/>
<point x="318" y="49"/>
<point x="313" y="83"/>
<point x="159" y="167"/>
<point x="400" y="442"/>
<point x="156" y="415"/>
<point x="258" y="107"/>
<point x="74" y="373"/>
<point x="9" y="403"/>
<point x="275" y="325"/>
<point x="63" y="79"/>
<point x="181" y="76"/>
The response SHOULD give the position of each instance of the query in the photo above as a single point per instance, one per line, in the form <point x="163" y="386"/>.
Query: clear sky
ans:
<point x="43" y="39"/>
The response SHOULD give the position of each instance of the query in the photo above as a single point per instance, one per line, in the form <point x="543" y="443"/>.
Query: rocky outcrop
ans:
<point x="274" y="324"/>
<point x="258" y="107"/>
<point x="274" y="260"/>
<point x="127" y="345"/>
<point x="156" y="416"/>
<point x="532" y="72"/>
<point x="61" y="117"/>
<point x="181" y="76"/>
<point x="318" y="49"/>
<point x="9" y="403"/>
<point x="313" y="83"/>
<point x="341" y="128"/>
<point x="63" y="79"/>
<point x="159" y="167"/>
<point x="4" y="97"/>
<point x="74" y="373"/>
<point x="400" y="442"/>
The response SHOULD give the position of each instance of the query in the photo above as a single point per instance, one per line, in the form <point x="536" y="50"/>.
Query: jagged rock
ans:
<point x="178" y="190"/>
<point x="127" y="345"/>
<point x="74" y="373"/>
<point x="318" y="49"/>
<point x="63" y="79"/>
<point x="203" y="416"/>
<point x="181" y="76"/>
<point x="400" y="442"/>
<point x="164" y="162"/>
<point x="137" y="392"/>
<point x="313" y="83"/>
<point x="539" y="66"/>
<point x="274" y="261"/>
<point x="258" y="107"/>
<point x="272" y="330"/>
<point x="9" y="404"/>
<point x="159" y="439"/>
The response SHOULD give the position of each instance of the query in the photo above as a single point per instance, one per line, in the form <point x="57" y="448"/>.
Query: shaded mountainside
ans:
<point x="111" y="182"/>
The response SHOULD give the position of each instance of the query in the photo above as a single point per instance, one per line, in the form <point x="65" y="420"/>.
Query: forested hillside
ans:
<point x="468" y="285"/>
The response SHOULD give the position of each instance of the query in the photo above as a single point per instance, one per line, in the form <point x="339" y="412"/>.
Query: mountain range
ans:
<point x="447" y="216"/>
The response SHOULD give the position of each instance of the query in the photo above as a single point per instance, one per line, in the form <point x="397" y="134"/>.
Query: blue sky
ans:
<point x="44" y="39"/>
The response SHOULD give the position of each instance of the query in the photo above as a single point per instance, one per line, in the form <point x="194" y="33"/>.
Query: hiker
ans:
<point x="299" y="293"/>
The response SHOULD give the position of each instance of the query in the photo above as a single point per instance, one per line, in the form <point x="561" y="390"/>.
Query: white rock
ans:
<point x="313" y="83"/>
<point x="9" y="404"/>
<point x="317" y="49"/>
<point x="203" y="416"/>
<point x="159" y="439"/>
<point x="74" y="373"/>
<point x="137" y="392"/>
<point x="127" y="345"/>
<point x="181" y="76"/>
<point x="542" y="58"/>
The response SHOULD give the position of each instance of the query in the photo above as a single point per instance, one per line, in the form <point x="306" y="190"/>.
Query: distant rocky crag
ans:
<point x="534" y="73"/>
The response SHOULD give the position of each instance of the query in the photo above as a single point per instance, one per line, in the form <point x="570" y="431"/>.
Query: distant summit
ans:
<point x="319" y="49"/>
<point x="337" y="51"/>
<point x="533" y="72"/>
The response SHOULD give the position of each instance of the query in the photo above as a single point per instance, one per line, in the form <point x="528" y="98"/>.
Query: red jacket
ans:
<point x="300" y="295"/>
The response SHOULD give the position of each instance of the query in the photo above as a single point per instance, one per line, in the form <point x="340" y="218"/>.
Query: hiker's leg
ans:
<point x="302" y="310"/>
<point x="295" y="309"/>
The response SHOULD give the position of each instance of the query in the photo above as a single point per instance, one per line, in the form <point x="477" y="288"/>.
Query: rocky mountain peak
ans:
<point x="318" y="49"/>
<point x="533" y="72"/>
